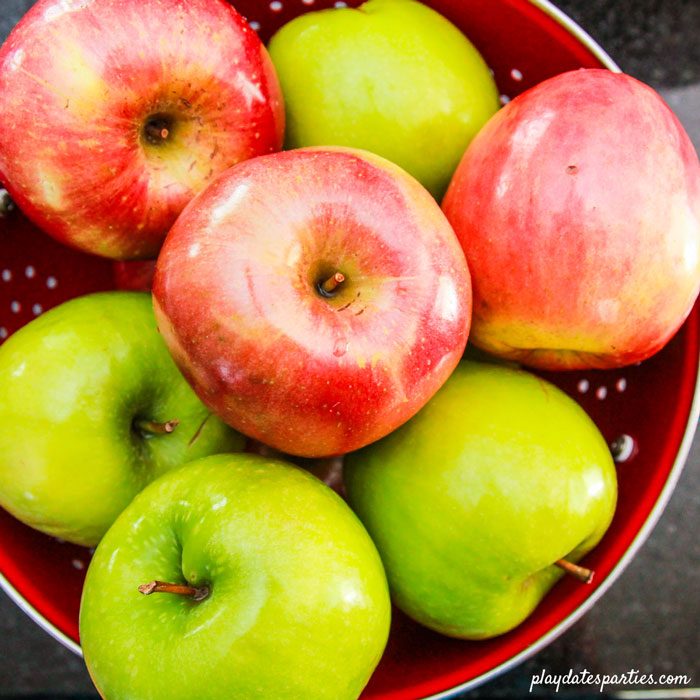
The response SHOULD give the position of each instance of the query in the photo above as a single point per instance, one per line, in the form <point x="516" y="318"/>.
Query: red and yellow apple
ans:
<point x="578" y="208"/>
<point x="116" y="113"/>
<point x="315" y="299"/>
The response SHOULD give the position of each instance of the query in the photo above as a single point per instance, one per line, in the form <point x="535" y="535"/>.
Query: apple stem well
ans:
<point x="151" y="427"/>
<point x="195" y="592"/>
<point x="578" y="572"/>
<point x="157" y="129"/>
<point x="328" y="287"/>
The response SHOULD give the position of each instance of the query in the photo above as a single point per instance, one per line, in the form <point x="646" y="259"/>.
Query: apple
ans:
<point x="117" y="112"/>
<point x="315" y="299"/>
<point x="578" y="208"/>
<point x="92" y="408"/>
<point x="260" y="583"/>
<point x="393" y="77"/>
<point x="473" y="502"/>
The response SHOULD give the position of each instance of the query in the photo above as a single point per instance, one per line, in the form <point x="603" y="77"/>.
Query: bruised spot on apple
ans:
<point x="118" y="112"/>
<point x="249" y="298"/>
<point x="578" y="208"/>
<point x="92" y="408"/>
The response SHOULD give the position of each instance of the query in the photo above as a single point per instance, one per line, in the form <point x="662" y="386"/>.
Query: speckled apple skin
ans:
<point x="236" y="299"/>
<point x="578" y="208"/>
<point x="78" y="81"/>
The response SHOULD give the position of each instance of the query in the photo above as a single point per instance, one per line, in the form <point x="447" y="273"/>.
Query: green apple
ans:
<point x="92" y="408"/>
<point x="265" y="586"/>
<point x="473" y="501"/>
<point x="393" y="77"/>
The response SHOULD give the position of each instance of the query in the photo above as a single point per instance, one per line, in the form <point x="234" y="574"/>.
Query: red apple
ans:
<point x="578" y="208"/>
<point x="116" y="113"/>
<point x="316" y="299"/>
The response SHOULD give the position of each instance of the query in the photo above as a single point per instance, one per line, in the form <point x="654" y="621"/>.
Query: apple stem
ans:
<point x="151" y="427"/>
<point x="196" y="593"/>
<point x="579" y="572"/>
<point x="332" y="283"/>
<point x="156" y="131"/>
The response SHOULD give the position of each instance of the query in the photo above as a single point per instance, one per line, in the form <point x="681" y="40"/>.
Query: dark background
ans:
<point x="650" y="619"/>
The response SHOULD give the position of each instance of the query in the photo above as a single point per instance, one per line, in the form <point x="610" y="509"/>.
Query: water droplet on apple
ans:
<point x="583" y="386"/>
<point x="340" y="347"/>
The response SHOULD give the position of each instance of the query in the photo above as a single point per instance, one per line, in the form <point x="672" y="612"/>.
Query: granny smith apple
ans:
<point x="393" y="77"/>
<point x="263" y="584"/>
<point x="474" y="500"/>
<point x="92" y="408"/>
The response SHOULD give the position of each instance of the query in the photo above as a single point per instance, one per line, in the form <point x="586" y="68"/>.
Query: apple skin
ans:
<point x="71" y="384"/>
<point x="472" y="501"/>
<point x="236" y="299"/>
<point x="298" y="605"/>
<point x="393" y="77"/>
<point x="578" y="208"/>
<point x="80" y="79"/>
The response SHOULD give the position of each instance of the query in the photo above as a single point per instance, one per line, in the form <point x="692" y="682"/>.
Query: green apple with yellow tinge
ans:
<point x="393" y="77"/>
<point x="479" y="501"/>
<point x="92" y="408"/>
<point x="260" y="583"/>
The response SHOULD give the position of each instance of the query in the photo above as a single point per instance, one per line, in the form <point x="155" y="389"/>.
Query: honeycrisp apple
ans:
<point x="393" y="77"/>
<point x="578" y="207"/>
<point x="260" y="582"/>
<point x="92" y="408"/>
<point x="116" y="112"/>
<point x="473" y="502"/>
<point x="315" y="299"/>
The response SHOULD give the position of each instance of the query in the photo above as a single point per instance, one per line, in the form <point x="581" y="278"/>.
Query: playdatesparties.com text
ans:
<point x="633" y="677"/>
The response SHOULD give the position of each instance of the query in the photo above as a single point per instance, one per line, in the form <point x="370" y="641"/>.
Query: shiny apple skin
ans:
<point x="578" y="208"/>
<point x="79" y="79"/>
<point x="236" y="299"/>
<point x="298" y="605"/>
<point x="392" y="77"/>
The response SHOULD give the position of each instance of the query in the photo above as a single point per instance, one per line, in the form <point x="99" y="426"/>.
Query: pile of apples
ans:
<point x="315" y="302"/>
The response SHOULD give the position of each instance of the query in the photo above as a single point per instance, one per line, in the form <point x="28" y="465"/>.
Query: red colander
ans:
<point x="524" y="42"/>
